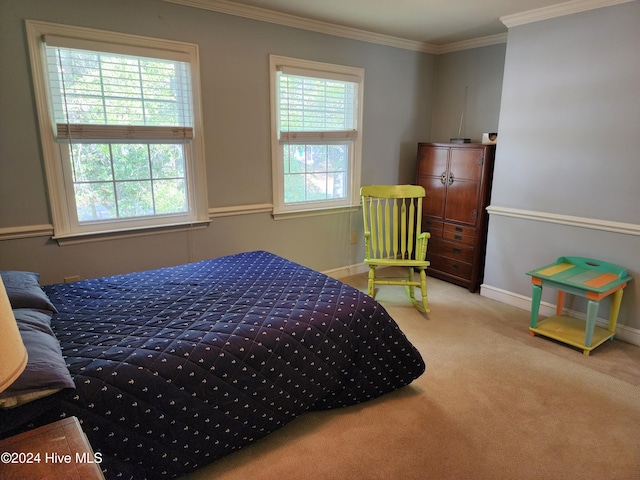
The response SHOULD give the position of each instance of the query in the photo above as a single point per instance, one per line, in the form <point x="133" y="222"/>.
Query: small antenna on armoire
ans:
<point x="459" y="138"/>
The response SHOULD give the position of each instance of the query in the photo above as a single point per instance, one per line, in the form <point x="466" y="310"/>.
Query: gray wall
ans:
<point x="479" y="72"/>
<point x="567" y="164"/>
<point x="234" y="66"/>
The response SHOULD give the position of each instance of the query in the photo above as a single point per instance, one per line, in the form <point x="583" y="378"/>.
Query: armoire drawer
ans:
<point x="434" y="227"/>
<point x="450" y="266"/>
<point x="459" y="233"/>
<point x="454" y="250"/>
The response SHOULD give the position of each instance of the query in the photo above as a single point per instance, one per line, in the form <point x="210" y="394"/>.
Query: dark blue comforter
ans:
<point x="179" y="366"/>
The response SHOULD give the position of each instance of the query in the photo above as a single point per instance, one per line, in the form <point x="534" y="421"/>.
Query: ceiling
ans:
<point x="433" y="22"/>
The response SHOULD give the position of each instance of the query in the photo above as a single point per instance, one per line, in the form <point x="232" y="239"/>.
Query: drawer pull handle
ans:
<point x="457" y="267"/>
<point x="459" y="229"/>
<point x="458" y="237"/>
<point x="456" y="250"/>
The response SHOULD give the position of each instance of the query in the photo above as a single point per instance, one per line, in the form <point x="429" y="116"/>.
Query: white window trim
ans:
<point x="63" y="225"/>
<point x="280" y="210"/>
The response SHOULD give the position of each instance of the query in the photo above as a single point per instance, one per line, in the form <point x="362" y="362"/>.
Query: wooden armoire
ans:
<point x="457" y="179"/>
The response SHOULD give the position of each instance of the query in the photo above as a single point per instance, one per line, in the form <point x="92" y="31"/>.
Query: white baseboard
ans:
<point x="624" y="333"/>
<point x="347" y="271"/>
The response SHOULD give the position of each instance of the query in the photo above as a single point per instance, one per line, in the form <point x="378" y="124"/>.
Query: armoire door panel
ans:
<point x="466" y="164"/>
<point x="432" y="161"/>
<point x="433" y="203"/>
<point x="461" y="202"/>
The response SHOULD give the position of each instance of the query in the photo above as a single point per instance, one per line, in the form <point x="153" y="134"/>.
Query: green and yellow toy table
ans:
<point x="587" y="278"/>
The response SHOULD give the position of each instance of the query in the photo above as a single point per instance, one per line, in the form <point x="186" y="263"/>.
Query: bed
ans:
<point x="176" y="367"/>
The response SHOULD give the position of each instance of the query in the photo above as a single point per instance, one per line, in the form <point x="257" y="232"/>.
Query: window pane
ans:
<point x="294" y="159"/>
<point x="129" y="180"/>
<point x="337" y="157"/>
<point x="336" y="185"/>
<point x="316" y="158"/>
<point x="170" y="195"/>
<point x="95" y="201"/>
<point x="315" y="172"/>
<point x="294" y="188"/>
<point x="167" y="161"/>
<point x="91" y="162"/>
<point x="135" y="199"/>
<point x="130" y="162"/>
<point x="316" y="186"/>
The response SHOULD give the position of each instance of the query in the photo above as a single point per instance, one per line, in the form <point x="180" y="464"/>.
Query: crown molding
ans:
<point x="473" y="43"/>
<point x="552" y="11"/>
<point x="288" y="20"/>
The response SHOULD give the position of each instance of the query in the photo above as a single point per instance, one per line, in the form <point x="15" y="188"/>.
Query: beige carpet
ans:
<point x="494" y="403"/>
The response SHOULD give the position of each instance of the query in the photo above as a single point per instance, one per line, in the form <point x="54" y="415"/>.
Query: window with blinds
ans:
<point x="122" y="119"/>
<point x="316" y="134"/>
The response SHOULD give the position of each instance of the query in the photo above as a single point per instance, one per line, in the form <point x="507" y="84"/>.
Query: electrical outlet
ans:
<point x="73" y="278"/>
<point x="353" y="237"/>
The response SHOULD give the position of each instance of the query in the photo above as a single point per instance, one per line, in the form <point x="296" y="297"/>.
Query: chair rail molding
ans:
<point x="568" y="220"/>
<point x="215" y="212"/>
<point x="27" y="231"/>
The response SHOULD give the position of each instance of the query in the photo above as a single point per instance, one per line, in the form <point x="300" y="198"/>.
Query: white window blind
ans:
<point x="313" y="105"/>
<point x="105" y="89"/>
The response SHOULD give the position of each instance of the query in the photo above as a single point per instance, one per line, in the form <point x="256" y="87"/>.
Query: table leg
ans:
<point x="560" y="302"/>
<point x="535" y="305"/>
<point x="592" y="313"/>
<point x="614" y="310"/>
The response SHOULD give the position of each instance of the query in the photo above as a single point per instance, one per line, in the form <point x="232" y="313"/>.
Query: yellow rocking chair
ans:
<point x="393" y="238"/>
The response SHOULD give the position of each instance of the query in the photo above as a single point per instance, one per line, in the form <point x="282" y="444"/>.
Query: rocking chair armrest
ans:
<point x="421" y="245"/>
<point x="367" y="244"/>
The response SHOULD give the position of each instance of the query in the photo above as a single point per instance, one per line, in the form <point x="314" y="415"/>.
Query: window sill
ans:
<point x="86" y="237"/>
<point x="314" y="212"/>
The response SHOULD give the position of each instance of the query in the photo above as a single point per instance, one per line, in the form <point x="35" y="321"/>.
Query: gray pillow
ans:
<point x="46" y="372"/>
<point x="23" y="290"/>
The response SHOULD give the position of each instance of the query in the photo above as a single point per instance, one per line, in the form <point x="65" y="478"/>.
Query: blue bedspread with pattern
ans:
<point x="179" y="366"/>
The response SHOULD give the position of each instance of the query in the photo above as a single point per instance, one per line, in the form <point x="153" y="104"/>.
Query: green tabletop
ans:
<point x="583" y="273"/>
